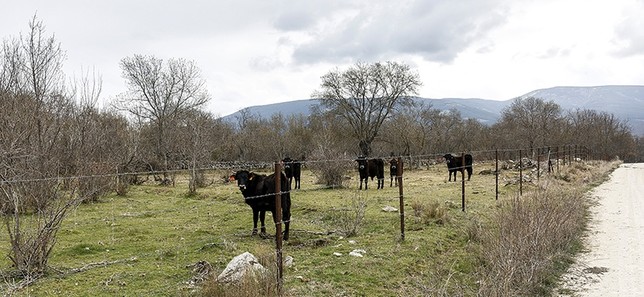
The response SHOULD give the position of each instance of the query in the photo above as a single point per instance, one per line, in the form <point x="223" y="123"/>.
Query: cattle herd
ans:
<point x="259" y="190"/>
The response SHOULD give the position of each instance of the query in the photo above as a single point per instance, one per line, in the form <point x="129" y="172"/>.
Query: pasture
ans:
<point x="144" y="244"/>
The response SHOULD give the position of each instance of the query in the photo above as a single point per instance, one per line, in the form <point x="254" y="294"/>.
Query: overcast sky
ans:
<point x="262" y="51"/>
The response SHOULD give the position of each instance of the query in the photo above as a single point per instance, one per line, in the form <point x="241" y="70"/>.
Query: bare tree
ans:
<point x="34" y="114"/>
<point x="38" y="144"/>
<point x="409" y="130"/>
<point x="605" y="134"/>
<point x="160" y="94"/>
<point x="365" y="96"/>
<point x="532" y="121"/>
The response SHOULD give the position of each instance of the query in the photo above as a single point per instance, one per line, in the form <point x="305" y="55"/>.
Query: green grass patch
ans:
<point x="152" y="236"/>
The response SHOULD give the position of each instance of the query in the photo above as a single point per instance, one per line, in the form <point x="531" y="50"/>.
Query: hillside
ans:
<point x="625" y="102"/>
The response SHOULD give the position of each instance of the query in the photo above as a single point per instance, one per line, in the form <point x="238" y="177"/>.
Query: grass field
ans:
<point x="144" y="243"/>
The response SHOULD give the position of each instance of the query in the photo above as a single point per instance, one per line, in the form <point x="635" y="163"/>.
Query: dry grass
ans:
<point x="430" y="212"/>
<point x="252" y="284"/>
<point x="446" y="251"/>
<point x="531" y="236"/>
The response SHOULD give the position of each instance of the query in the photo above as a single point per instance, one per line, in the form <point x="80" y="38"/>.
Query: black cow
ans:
<point x="371" y="168"/>
<point x="258" y="191"/>
<point x="393" y="172"/>
<point x="454" y="164"/>
<point x="293" y="171"/>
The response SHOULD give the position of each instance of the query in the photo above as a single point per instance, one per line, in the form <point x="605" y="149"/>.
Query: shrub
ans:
<point x="329" y="173"/>
<point x="349" y="219"/>
<point x="431" y="212"/>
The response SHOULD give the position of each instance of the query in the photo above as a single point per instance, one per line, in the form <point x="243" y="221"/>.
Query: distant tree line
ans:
<point x="53" y="133"/>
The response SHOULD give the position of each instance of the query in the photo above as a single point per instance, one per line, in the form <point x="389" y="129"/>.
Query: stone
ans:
<point x="239" y="266"/>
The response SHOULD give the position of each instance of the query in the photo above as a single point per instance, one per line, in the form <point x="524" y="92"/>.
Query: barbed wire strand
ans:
<point x="258" y="165"/>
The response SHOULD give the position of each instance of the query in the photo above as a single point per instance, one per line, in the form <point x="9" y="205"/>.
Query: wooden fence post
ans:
<point x="399" y="174"/>
<point x="520" y="174"/>
<point x="463" y="181"/>
<point x="496" y="172"/>
<point x="278" y="226"/>
<point x="538" y="164"/>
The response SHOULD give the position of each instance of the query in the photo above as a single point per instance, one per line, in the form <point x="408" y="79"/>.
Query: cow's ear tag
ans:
<point x="251" y="176"/>
<point x="231" y="178"/>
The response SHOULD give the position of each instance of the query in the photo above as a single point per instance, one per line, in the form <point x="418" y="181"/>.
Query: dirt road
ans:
<point x="614" y="262"/>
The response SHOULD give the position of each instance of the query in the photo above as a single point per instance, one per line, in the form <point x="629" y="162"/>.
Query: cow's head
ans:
<point x="287" y="163"/>
<point x="362" y="163"/>
<point x="243" y="177"/>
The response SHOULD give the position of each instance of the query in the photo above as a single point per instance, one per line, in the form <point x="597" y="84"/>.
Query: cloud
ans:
<point x="435" y="30"/>
<point x="629" y="37"/>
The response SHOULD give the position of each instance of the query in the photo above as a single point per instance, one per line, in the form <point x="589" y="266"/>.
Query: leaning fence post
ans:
<point x="278" y="225"/>
<point x="399" y="174"/>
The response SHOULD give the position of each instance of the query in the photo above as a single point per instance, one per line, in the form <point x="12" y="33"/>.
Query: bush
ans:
<point x="531" y="234"/>
<point x="329" y="173"/>
<point x="350" y="218"/>
<point x="431" y="212"/>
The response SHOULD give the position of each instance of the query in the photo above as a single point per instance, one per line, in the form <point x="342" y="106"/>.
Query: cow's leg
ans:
<point x="255" y="218"/>
<point x="262" y="217"/>
<point x="286" y="217"/>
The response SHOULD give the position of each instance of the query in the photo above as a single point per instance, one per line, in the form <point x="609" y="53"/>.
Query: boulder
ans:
<point x="239" y="266"/>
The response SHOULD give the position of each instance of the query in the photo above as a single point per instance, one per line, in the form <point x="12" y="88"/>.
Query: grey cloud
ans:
<point x="435" y="30"/>
<point x="629" y="36"/>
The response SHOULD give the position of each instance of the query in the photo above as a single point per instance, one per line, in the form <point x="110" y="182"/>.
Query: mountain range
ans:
<point x="626" y="102"/>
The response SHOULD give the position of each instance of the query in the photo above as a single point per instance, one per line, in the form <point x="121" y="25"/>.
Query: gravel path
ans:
<point x="614" y="262"/>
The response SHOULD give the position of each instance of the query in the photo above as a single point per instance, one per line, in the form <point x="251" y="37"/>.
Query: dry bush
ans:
<point x="350" y="217"/>
<point x="430" y="212"/>
<point x="329" y="167"/>
<point x="32" y="231"/>
<point x="94" y="182"/>
<point x="530" y="234"/>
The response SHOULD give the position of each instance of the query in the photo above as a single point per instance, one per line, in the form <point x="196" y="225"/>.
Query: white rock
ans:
<point x="288" y="261"/>
<point x="389" y="209"/>
<point x="337" y="254"/>
<point x="239" y="266"/>
<point x="357" y="253"/>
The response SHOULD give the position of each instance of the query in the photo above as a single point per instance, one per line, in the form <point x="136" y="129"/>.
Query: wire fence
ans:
<point x="517" y="159"/>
